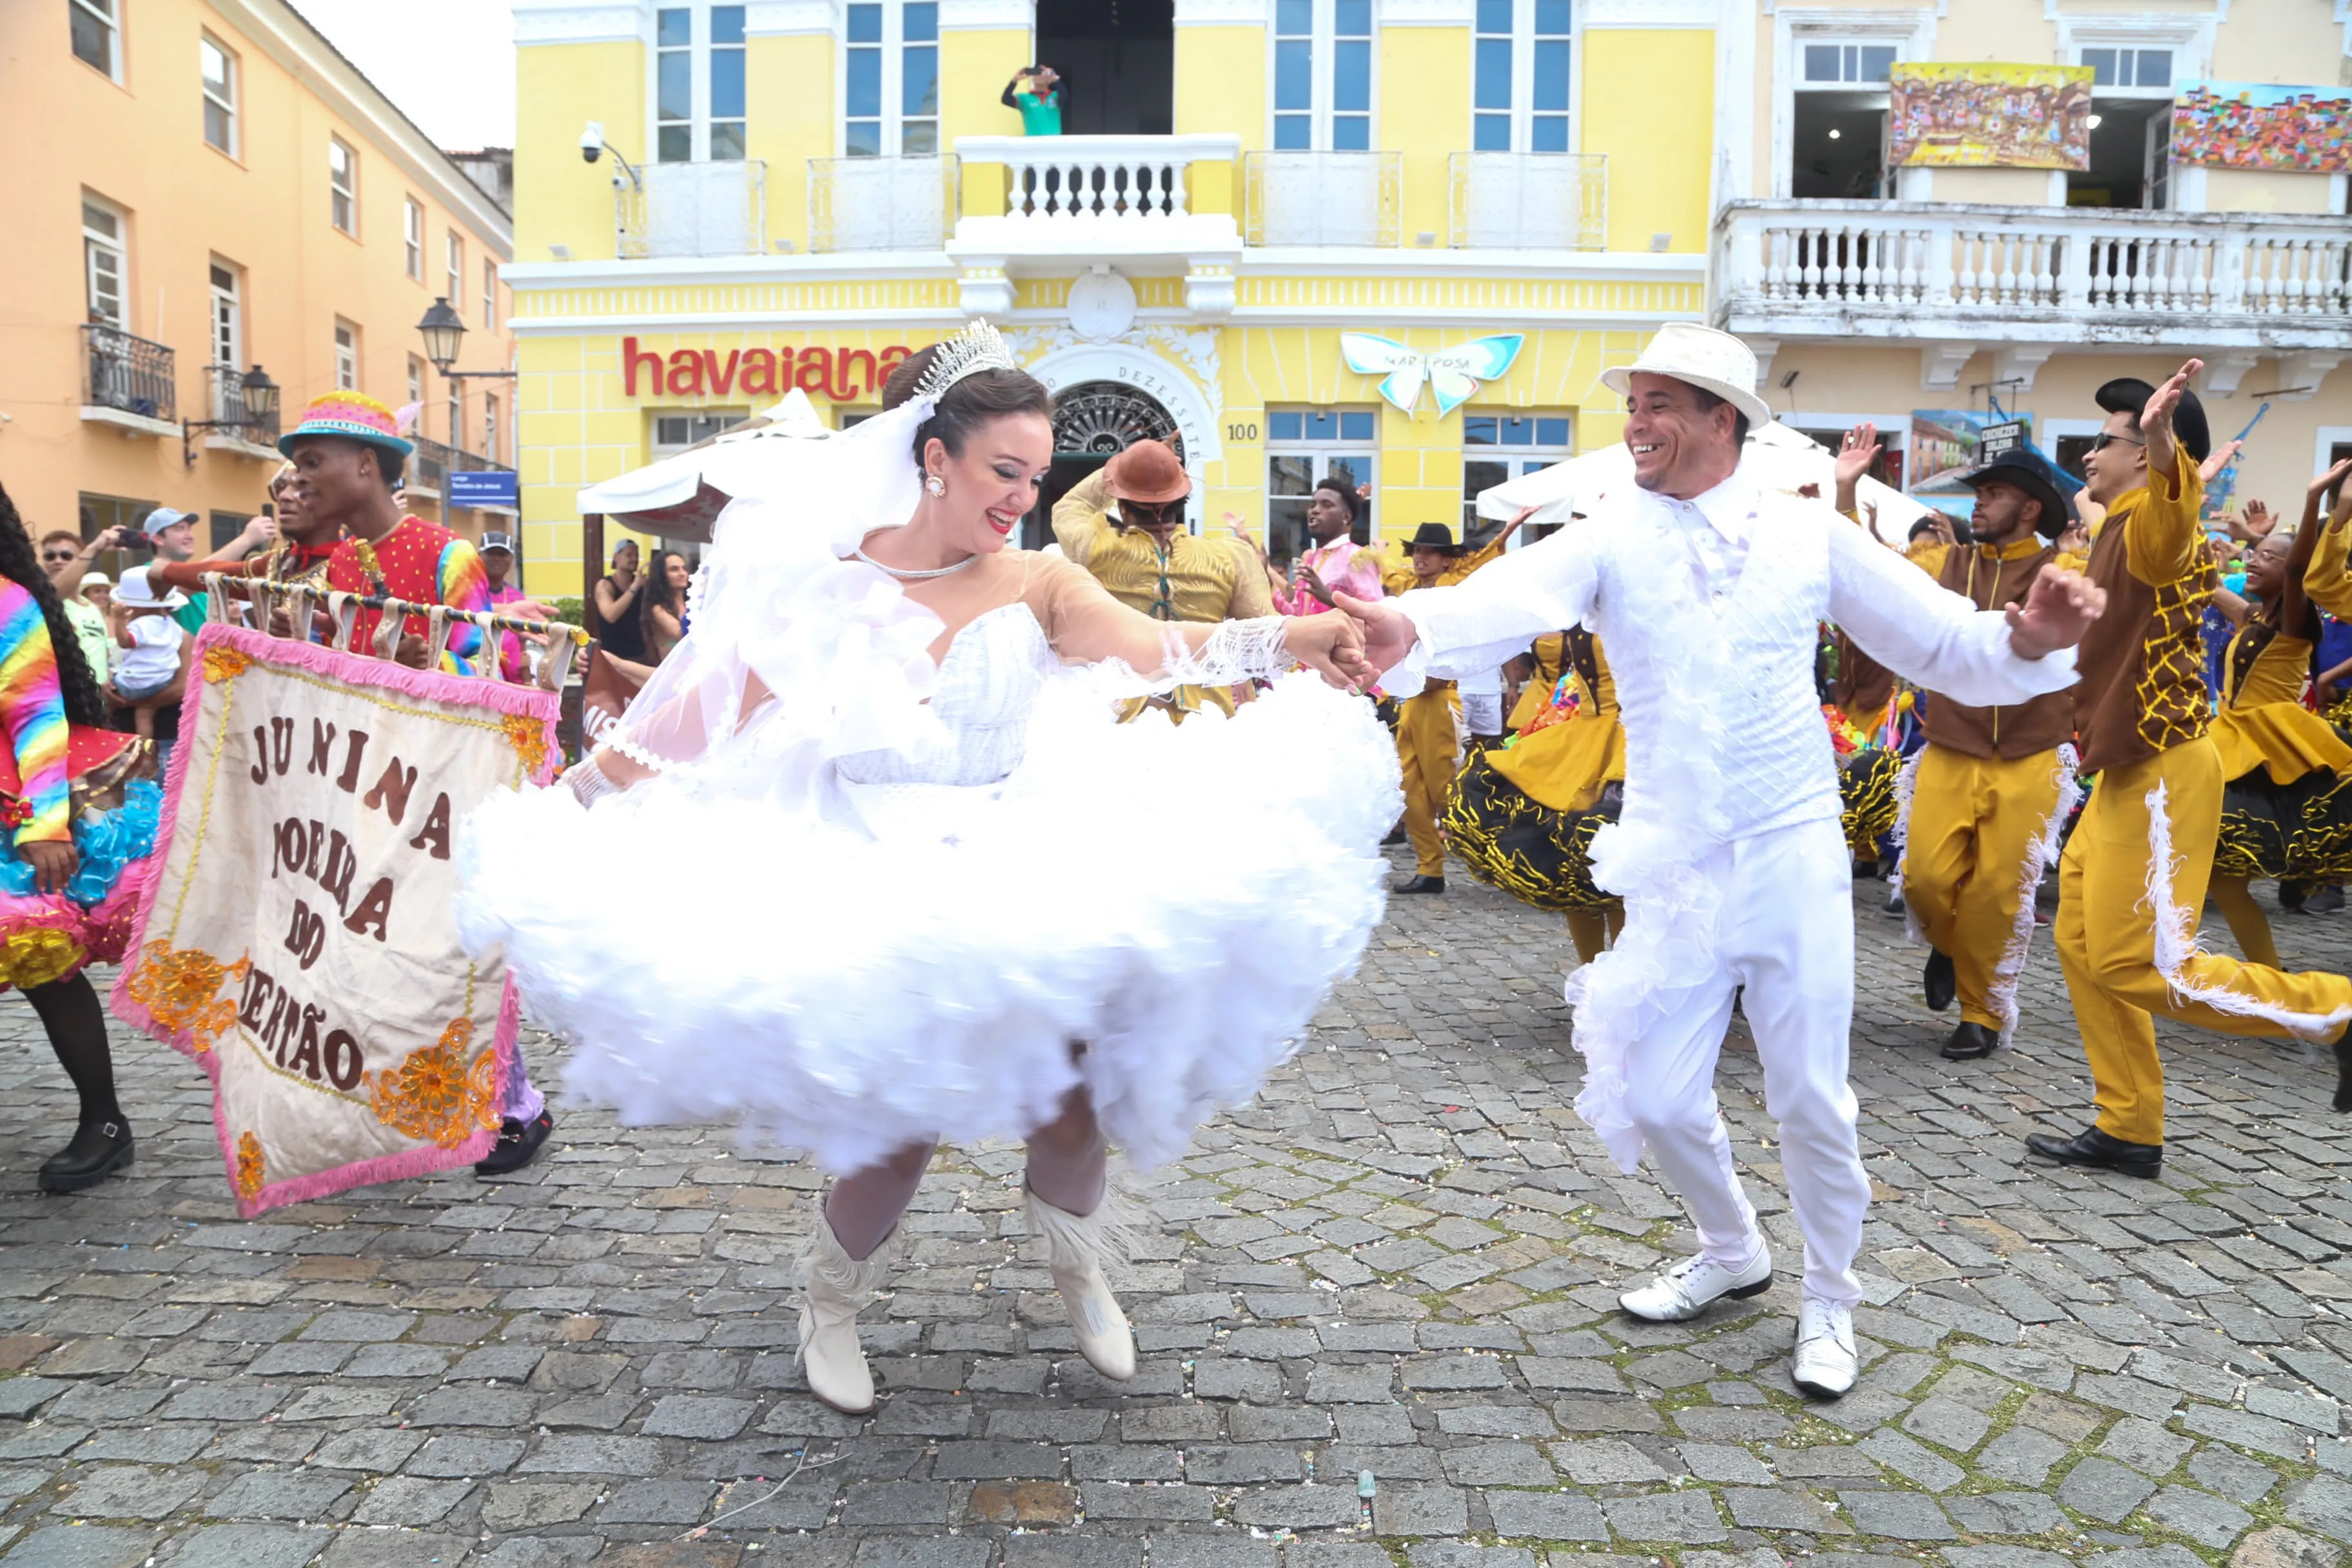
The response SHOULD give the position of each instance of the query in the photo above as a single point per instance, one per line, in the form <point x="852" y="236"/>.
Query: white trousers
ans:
<point x="1785" y="933"/>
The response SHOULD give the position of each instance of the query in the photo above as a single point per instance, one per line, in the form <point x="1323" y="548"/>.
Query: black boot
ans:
<point x="1968" y="1042"/>
<point x="1419" y="884"/>
<point x="518" y="1142"/>
<point x="98" y="1149"/>
<point x="1396" y="836"/>
<point x="2344" y="1071"/>
<point x="2099" y="1151"/>
<point x="1939" y="983"/>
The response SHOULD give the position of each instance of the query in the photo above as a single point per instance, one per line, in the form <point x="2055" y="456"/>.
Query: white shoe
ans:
<point x="1684" y="1292"/>
<point x="1076" y="1245"/>
<point x="1825" y="1360"/>
<point x="834" y="1286"/>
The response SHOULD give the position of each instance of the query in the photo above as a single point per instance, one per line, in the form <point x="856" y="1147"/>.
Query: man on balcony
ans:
<point x="1151" y="562"/>
<point x="1038" y="93"/>
<point x="2133" y="879"/>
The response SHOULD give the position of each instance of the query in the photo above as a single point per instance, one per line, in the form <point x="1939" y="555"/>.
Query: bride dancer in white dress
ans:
<point x="933" y="897"/>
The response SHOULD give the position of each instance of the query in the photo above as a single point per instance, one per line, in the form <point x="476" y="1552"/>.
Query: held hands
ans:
<point x="54" y="861"/>
<point x="1388" y="634"/>
<point x="2058" y="609"/>
<point x="1330" y="645"/>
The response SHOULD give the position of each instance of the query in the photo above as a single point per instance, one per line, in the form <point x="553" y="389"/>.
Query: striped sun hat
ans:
<point x="352" y="415"/>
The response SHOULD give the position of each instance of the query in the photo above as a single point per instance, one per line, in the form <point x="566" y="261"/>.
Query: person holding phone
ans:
<point x="1038" y="94"/>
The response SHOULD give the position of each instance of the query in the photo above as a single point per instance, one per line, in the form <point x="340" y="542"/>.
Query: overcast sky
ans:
<point x="449" y="63"/>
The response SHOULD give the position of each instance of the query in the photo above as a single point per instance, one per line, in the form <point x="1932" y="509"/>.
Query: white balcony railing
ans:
<point x="1075" y="180"/>
<point x="881" y="204"/>
<point x="1323" y="198"/>
<point x="1529" y="201"/>
<point x="1918" y="269"/>
<point x="717" y="208"/>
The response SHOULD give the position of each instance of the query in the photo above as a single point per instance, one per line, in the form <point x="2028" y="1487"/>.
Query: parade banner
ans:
<point x="1983" y="116"/>
<point x="2256" y="125"/>
<point x="301" y="941"/>
<point x="1947" y="442"/>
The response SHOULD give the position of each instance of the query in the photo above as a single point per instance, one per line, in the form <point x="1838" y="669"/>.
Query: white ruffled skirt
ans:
<point x="910" y="962"/>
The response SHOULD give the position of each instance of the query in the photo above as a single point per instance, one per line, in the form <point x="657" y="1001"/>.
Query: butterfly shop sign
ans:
<point x="1452" y="374"/>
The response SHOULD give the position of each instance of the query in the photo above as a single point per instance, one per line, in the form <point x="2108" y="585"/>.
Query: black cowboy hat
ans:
<point x="2029" y="471"/>
<point x="1434" y="536"/>
<point x="2129" y="395"/>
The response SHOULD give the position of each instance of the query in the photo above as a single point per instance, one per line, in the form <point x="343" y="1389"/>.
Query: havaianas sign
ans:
<point x="838" y="376"/>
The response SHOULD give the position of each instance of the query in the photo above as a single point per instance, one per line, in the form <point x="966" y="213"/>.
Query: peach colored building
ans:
<point x="197" y="190"/>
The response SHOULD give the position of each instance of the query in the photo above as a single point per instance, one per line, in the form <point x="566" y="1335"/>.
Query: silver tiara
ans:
<point x="976" y="348"/>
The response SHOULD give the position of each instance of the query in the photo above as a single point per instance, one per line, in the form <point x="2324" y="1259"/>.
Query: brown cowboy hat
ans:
<point x="1148" y="474"/>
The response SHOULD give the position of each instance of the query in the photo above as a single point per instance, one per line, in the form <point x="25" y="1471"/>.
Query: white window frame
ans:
<point x="412" y="239"/>
<point x="226" y="100"/>
<point x="661" y="446"/>
<point x="1324" y="57"/>
<point x="1522" y="111"/>
<point x="1362" y="458"/>
<point x="453" y="245"/>
<point x="347" y="190"/>
<point x="348" y="350"/>
<point x="1534" y="457"/>
<point x="108" y="15"/>
<point x="416" y="383"/>
<point x="489" y="294"/>
<point x="893" y="50"/>
<point x="2190" y="39"/>
<point x="1912" y="32"/>
<point x="96" y="244"/>
<point x="698" y="51"/>
<point x="225" y="322"/>
<point x="490" y="425"/>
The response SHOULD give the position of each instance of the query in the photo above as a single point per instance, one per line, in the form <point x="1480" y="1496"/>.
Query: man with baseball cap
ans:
<point x="1993" y="785"/>
<point x="1710" y="590"/>
<point x="1151" y="562"/>
<point x="2133" y="882"/>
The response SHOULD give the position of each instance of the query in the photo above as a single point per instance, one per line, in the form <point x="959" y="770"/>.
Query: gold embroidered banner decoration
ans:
<point x="301" y="940"/>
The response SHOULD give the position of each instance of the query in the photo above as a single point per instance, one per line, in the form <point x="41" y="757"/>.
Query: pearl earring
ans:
<point x="936" y="485"/>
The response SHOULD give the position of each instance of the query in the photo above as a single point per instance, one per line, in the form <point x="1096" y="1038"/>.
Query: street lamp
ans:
<point x="258" y="396"/>
<point x="443" y="330"/>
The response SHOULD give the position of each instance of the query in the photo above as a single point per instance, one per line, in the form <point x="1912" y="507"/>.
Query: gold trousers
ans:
<point x="1594" y="931"/>
<point x="2247" y="921"/>
<point x="1969" y="868"/>
<point x="1429" y="750"/>
<point x="2130" y="949"/>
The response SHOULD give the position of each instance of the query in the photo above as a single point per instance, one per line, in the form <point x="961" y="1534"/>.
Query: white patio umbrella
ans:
<point x="1780" y="458"/>
<point x="682" y="495"/>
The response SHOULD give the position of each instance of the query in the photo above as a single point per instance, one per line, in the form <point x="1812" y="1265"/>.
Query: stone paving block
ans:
<point x="704" y="1420"/>
<point x="1546" y="1515"/>
<point x="2199" y="1515"/>
<point x="2279" y="1547"/>
<point x="1605" y="1416"/>
<point x="410" y="1502"/>
<point x="2260" y="1433"/>
<point x="1350" y="1385"/>
<point x="1948" y="1424"/>
<point x="394" y="1549"/>
<point x="379" y="1450"/>
<point x="1899" y="1516"/>
<point x="902" y="1552"/>
<point x="1724" y="1463"/>
<point x="1409" y="1510"/>
<point x="1455" y="1372"/>
<point x="172" y="1444"/>
<point x="564" y="1454"/>
<point x="1327" y="1553"/>
<point x="1604" y="1461"/>
<point x="1070" y="1551"/>
<point x="656" y="1503"/>
<point x="997" y="1461"/>
<point x="1685" y="1518"/>
<point x="2325" y="1504"/>
<point x="2103" y="1491"/>
<point x="81" y="1546"/>
<point x="1235" y="1378"/>
<point x="23" y="1396"/>
<point x="2004" y="1557"/>
<point x="1466" y="1554"/>
<point x="262" y="1494"/>
<point x="249" y="1546"/>
<point x="1173" y="1550"/>
<point x="2144" y="1446"/>
<point x="2005" y="1513"/>
<point x="128" y="1491"/>
<point x="2232" y="1475"/>
<point x="1295" y="1507"/>
<point x="896" y="1502"/>
<point x="447" y="1456"/>
<point x="1172" y="1423"/>
<point x="1111" y="1500"/>
<point x="1911" y="1462"/>
<point x="534" y="1505"/>
<point x="1781" y="1508"/>
<point x="1498" y="1465"/>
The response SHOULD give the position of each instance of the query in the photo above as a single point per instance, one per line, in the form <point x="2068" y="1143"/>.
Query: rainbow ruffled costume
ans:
<point x="61" y="781"/>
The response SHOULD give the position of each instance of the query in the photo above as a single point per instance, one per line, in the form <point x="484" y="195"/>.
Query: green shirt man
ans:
<point x="1037" y="93"/>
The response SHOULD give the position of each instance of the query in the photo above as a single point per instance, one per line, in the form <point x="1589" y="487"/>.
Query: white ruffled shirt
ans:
<point x="1709" y="608"/>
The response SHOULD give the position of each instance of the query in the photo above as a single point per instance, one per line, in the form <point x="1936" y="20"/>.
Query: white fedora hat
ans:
<point x="1702" y="356"/>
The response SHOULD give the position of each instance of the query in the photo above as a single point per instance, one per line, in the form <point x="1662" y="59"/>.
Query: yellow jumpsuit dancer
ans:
<point x="2287" y="809"/>
<point x="2133" y="879"/>
<point x="1523" y="815"/>
<point x="1149" y="561"/>
<point x="1992" y="788"/>
<point x="1429" y="727"/>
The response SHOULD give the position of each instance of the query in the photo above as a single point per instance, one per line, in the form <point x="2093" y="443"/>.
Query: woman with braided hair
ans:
<point x="80" y="815"/>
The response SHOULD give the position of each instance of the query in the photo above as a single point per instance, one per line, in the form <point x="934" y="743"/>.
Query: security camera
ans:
<point x="592" y="142"/>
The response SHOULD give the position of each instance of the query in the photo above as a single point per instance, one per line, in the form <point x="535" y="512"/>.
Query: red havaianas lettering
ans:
<point x="720" y="381"/>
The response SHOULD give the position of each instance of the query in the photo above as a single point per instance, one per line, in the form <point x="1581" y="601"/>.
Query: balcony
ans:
<point x="717" y="208"/>
<point x="1323" y="198"/>
<point x="1528" y="201"/>
<point x="237" y="431"/>
<point x="1952" y="275"/>
<point x="430" y="466"/>
<point x="881" y="204"/>
<point x="128" y="383"/>
<point x="1072" y="201"/>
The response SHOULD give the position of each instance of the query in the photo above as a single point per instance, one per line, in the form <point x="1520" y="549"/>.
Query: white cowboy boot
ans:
<point x="1077" y="1248"/>
<point x="834" y="1286"/>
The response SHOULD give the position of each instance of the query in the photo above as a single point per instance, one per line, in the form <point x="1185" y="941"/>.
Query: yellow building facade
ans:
<point x="786" y="193"/>
<point x="204" y="189"/>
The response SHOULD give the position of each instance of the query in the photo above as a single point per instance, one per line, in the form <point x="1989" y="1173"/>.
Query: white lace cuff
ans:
<point x="1236" y="652"/>
<point x="588" y="782"/>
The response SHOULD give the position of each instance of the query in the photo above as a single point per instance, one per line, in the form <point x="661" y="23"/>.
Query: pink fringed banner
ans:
<point x="300" y="942"/>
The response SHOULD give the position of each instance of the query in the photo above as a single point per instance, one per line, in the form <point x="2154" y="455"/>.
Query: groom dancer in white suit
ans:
<point x="1707" y="590"/>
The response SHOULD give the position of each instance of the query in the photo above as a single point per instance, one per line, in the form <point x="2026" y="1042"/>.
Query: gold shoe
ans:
<point x="1077" y="1248"/>
<point x="834" y="1286"/>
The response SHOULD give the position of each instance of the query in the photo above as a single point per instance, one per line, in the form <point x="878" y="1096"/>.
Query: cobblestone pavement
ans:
<point x="1402" y="1260"/>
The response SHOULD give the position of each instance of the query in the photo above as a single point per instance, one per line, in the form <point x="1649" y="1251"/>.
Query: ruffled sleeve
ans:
<point x="34" y="710"/>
